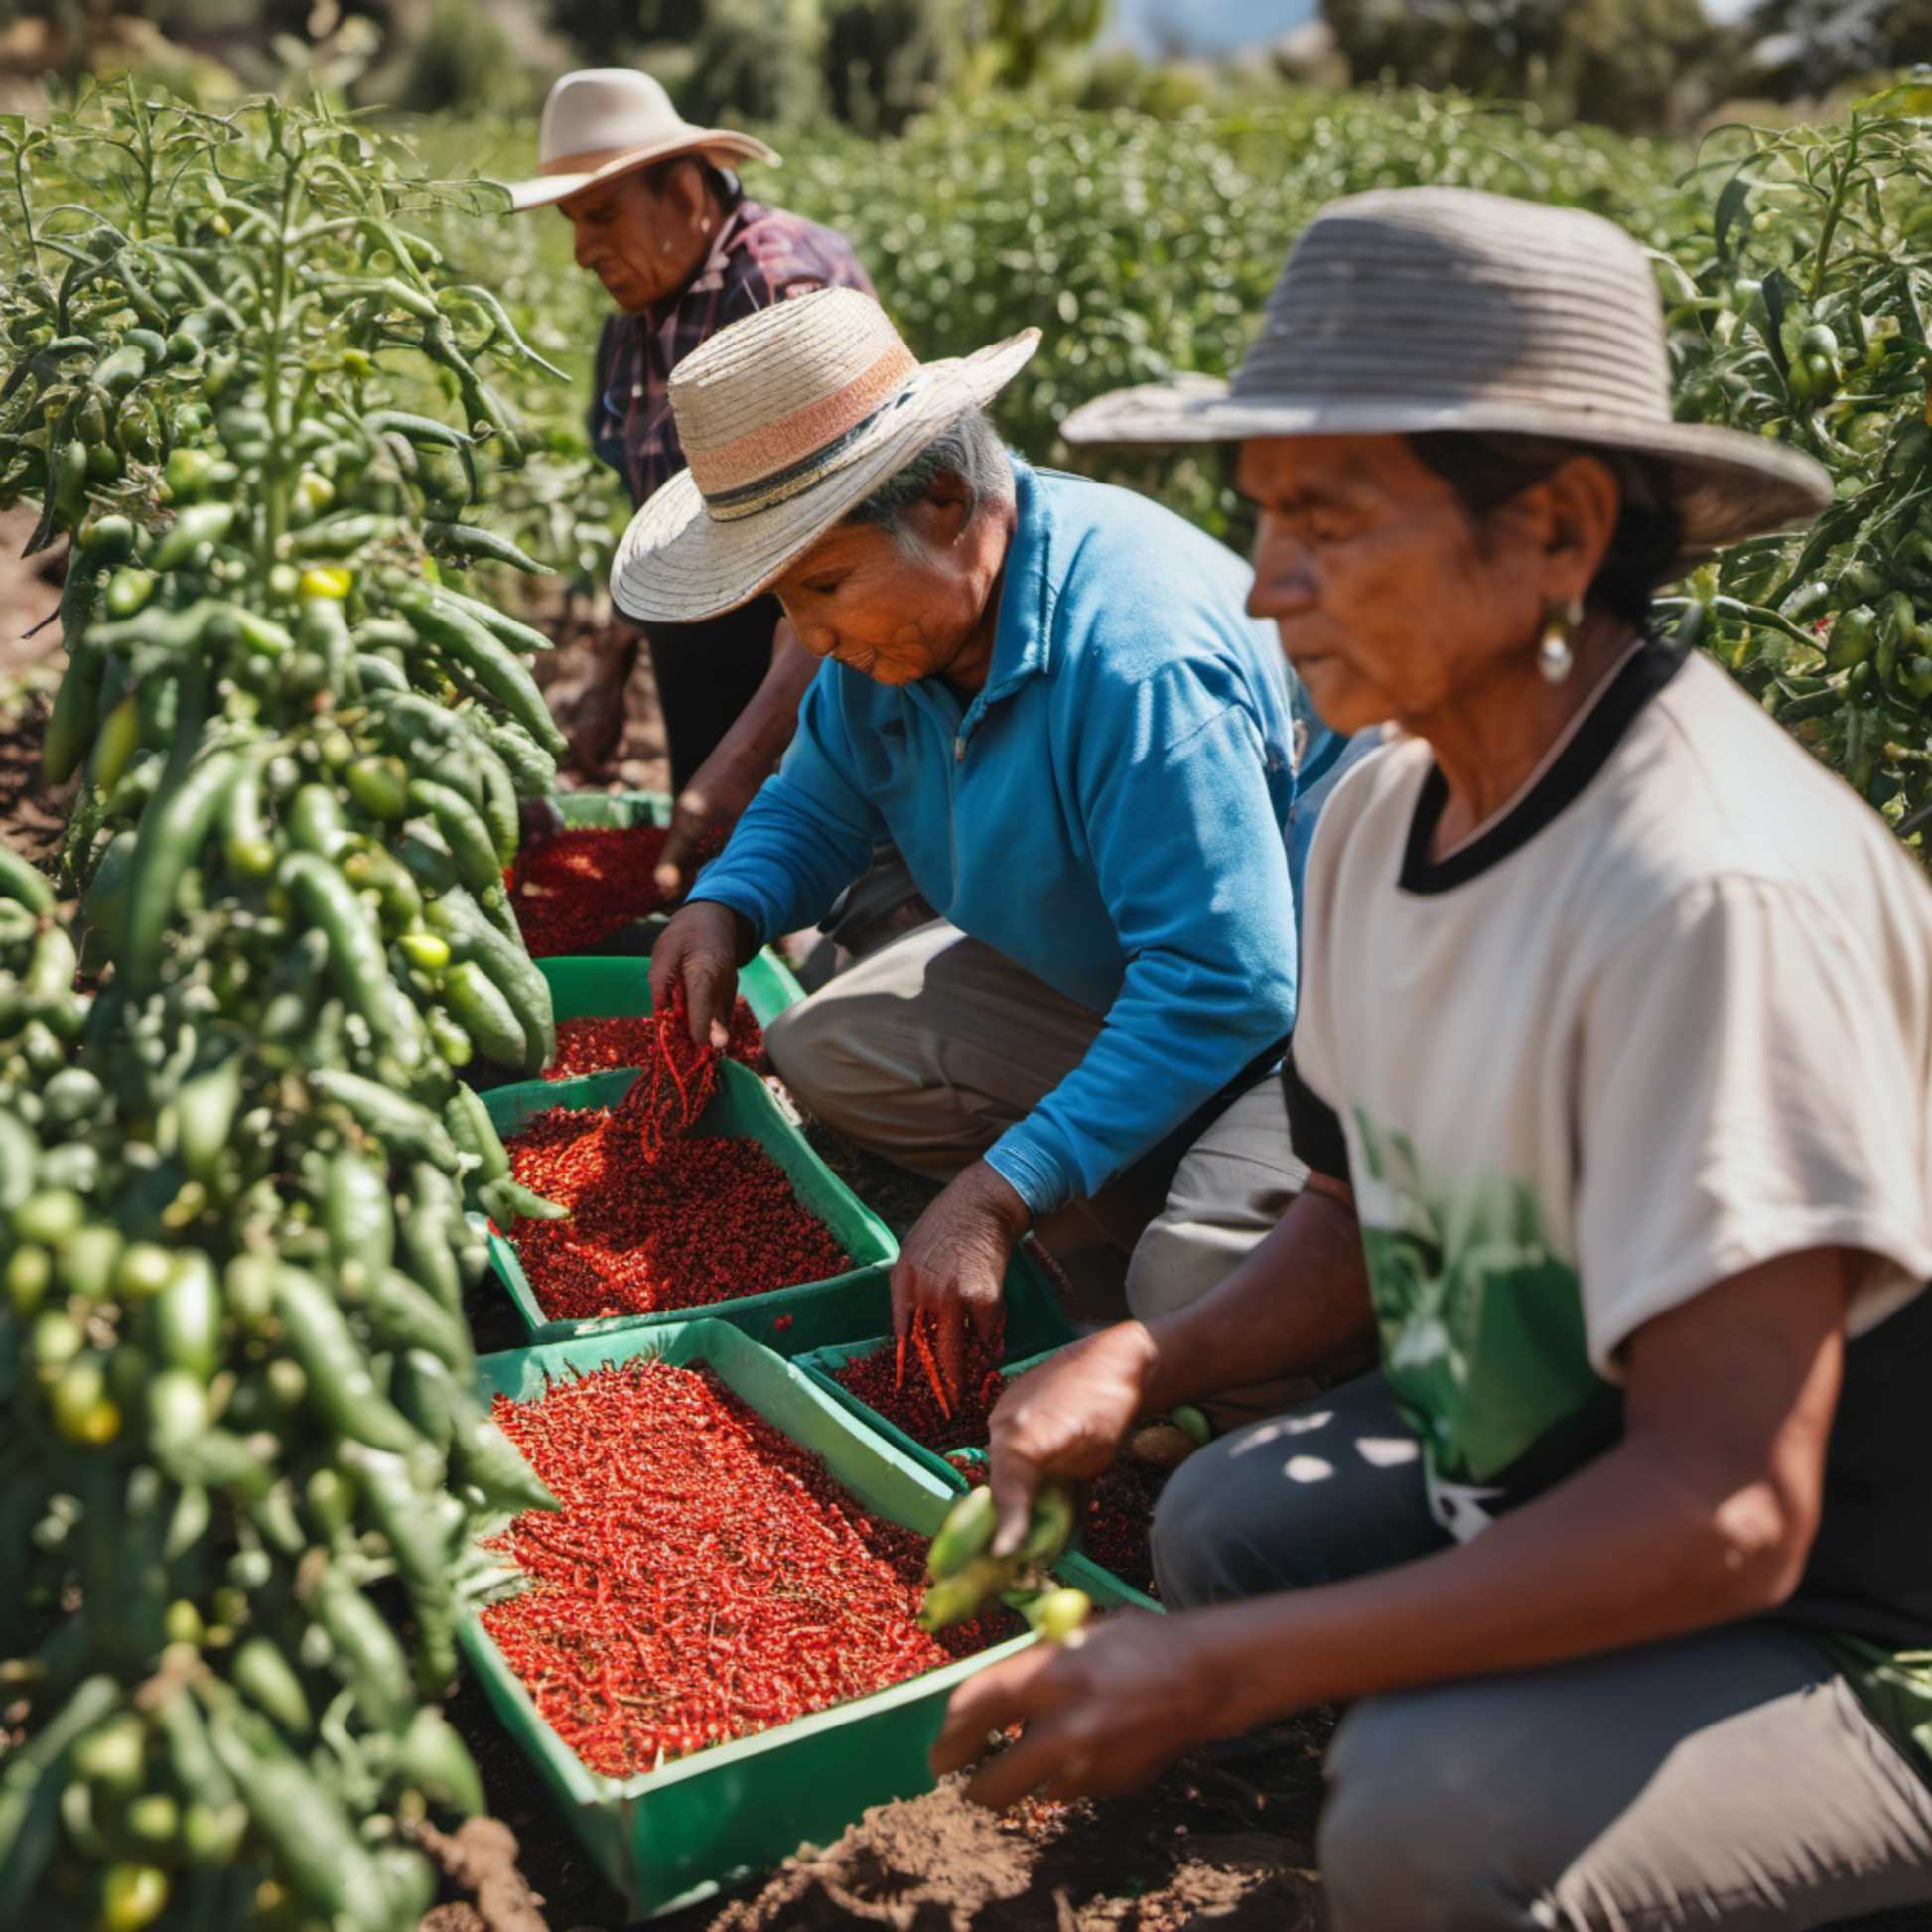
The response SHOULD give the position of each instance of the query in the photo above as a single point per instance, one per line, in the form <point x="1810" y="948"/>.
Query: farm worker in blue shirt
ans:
<point x="1048" y="693"/>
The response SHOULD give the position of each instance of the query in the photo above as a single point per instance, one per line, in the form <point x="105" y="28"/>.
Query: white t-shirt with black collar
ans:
<point x="1667" y="1015"/>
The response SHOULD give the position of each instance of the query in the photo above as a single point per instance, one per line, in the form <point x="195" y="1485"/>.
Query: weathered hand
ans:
<point x="697" y="955"/>
<point x="1066" y="1418"/>
<point x="952" y="1266"/>
<point x="1101" y="1717"/>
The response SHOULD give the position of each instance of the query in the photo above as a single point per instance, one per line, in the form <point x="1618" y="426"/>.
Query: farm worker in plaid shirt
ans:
<point x="683" y="252"/>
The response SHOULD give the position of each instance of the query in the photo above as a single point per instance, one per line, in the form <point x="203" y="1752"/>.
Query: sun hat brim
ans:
<point x="677" y="564"/>
<point x="719" y="146"/>
<point x="1725" y="485"/>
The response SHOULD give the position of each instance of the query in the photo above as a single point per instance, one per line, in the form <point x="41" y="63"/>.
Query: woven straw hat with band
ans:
<point x="1414" y="309"/>
<point x="606" y="121"/>
<point x="789" y="419"/>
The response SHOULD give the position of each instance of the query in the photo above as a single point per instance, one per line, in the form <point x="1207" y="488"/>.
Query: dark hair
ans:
<point x="1486" y="469"/>
<point x="969" y="448"/>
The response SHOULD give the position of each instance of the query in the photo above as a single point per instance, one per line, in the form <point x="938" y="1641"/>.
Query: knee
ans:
<point x="1203" y="1533"/>
<point x="1177" y="1261"/>
<point x="814" y="1049"/>
<point x="1420" y="1831"/>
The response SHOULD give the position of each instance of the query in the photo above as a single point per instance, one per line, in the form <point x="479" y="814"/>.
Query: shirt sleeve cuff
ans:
<point x="1029" y="1172"/>
<point x="755" y="911"/>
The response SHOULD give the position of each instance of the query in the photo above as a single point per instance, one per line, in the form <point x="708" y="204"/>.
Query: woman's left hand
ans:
<point x="952" y="1266"/>
<point x="1101" y="1717"/>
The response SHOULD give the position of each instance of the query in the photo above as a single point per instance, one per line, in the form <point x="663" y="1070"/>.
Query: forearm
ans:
<point x="1297" y="1306"/>
<point x="1626" y="1552"/>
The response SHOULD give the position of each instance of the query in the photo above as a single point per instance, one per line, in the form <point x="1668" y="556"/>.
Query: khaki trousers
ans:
<point x="932" y="1048"/>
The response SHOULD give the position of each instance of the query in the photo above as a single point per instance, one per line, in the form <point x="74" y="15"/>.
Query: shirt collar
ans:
<point x="1023" y="644"/>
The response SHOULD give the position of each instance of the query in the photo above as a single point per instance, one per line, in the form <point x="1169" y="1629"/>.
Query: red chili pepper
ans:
<point x="931" y="1367"/>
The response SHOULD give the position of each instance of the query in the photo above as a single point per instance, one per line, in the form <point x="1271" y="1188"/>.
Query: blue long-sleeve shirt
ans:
<point x="1108" y="812"/>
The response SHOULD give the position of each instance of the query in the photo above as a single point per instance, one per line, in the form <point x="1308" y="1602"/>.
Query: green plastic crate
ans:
<point x="675" y="1836"/>
<point x="604" y="809"/>
<point x="743" y="1104"/>
<point x="598" y="986"/>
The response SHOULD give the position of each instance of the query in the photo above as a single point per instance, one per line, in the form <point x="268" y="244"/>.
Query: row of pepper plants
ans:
<point x="1799" y="305"/>
<point x="1796" y="265"/>
<point x="236" y="1386"/>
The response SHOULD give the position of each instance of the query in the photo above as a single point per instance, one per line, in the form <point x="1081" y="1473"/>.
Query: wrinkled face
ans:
<point x="623" y="228"/>
<point x="898" y="614"/>
<point x="1390" y="602"/>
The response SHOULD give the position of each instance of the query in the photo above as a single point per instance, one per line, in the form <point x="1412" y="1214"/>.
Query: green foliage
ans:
<point x="1142" y="247"/>
<point x="1626" y="63"/>
<point x="461" y="61"/>
<point x="1799" y="313"/>
<point x="235" y="1384"/>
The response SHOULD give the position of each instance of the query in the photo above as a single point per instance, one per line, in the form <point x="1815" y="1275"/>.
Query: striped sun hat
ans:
<point x="1414" y="309"/>
<point x="789" y="419"/>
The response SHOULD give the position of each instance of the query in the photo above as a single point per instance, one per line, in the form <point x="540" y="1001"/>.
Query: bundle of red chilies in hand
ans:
<point x="676" y="1084"/>
<point x="604" y="1042"/>
<point x="706" y="1578"/>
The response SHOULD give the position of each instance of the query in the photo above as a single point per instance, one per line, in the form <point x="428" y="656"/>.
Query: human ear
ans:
<point x="945" y="507"/>
<point x="1583" y="502"/>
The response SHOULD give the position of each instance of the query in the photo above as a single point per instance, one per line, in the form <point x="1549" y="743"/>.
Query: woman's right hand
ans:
<point x="1068" y="1418"/>
<point x="696" y="955"/>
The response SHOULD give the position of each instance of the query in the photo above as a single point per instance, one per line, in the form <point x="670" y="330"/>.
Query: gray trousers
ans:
<point x="1728" y="1778"/>
<point x="929" y="1049"/>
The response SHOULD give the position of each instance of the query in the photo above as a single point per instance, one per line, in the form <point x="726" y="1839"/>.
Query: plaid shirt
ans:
<point x="761" y="255"/>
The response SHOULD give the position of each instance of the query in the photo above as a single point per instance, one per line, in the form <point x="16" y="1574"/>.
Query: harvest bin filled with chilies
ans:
<point x="673" y="1833"/>
<point x="588" y="884"/>
<point x="693" y="1243"/>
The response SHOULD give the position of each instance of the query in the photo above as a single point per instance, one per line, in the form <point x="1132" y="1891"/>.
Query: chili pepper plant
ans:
<point x="235" y="1386"/>
<point x="1799" y="311"/>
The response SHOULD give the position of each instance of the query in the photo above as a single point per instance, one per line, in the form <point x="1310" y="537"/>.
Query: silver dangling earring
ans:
<point x="1553" y="657"/>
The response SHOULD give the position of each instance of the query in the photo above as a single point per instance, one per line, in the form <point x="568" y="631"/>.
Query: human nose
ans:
<point x="1283" y="585"/>
<point x="580" y="243"/>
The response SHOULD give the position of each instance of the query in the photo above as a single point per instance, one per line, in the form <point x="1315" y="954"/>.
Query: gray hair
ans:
<point x="968" y="448"/>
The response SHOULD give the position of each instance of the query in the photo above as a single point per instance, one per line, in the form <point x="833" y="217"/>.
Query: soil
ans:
<point x="1224" y="1840"/>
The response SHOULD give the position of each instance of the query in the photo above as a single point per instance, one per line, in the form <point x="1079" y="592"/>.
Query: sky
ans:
<point x="1209" y="27"/>
<point x="1204" y="26"/>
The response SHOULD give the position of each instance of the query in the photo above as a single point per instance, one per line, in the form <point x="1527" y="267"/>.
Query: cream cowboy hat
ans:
<point x="1414" y="309"/>
<point x="604" y="121"/>
<point x="787" y="418"/>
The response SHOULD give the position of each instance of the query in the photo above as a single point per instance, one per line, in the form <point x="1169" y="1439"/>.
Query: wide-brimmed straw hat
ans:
<point x="1414" y="308"/>
<point x="604" y="121"/>
<point x="787" y="418"/>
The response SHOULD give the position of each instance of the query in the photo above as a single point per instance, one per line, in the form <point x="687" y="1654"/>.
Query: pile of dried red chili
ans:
<point x="597" y="1046"/>
<point x="574" y="888"/>
<point x="914" y="1399"/>
<point x="692" y="1223"/>
<point x="705" y="1577"/>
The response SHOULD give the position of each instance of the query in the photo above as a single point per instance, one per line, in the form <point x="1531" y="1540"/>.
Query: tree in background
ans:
<point x="1640" y="66"/>
<point x="874" y="63"/>
<point x="1807" y="47"/>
